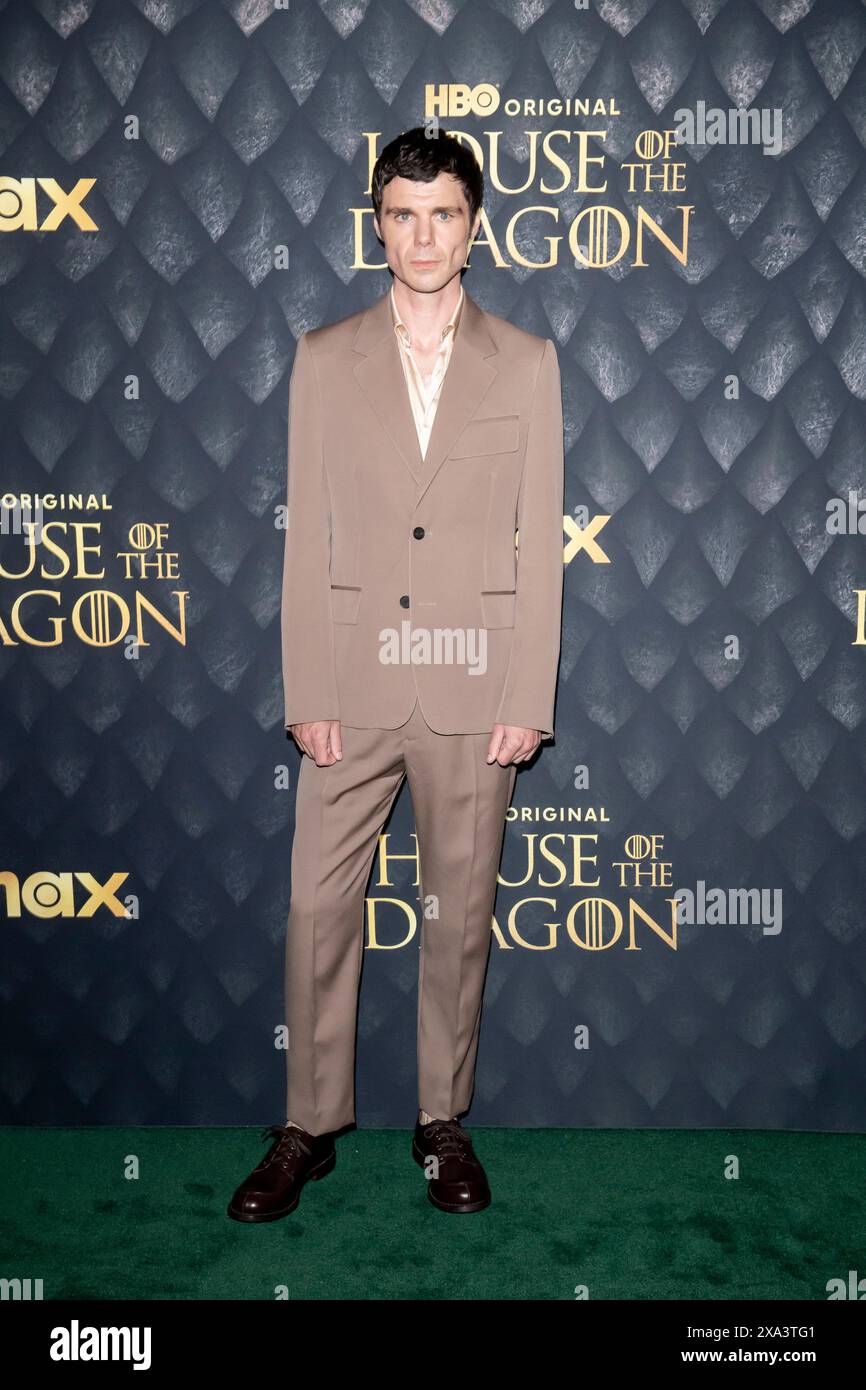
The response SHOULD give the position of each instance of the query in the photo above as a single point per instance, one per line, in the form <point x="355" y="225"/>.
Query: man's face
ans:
<point x="426" y="231"/>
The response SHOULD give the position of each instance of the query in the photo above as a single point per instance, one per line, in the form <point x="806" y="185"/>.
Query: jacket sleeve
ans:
<point x="309" y="672"/>
<point x="530" y="684"/>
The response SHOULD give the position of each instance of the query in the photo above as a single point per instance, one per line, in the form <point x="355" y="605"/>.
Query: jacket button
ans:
<point x="404" y="600"/>
<point x="418" y="533"/>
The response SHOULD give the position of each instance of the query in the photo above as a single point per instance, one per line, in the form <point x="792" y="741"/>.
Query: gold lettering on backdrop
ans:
<point x="46" y="894"/>
<point x="28" y="502"/>
<point x="577" y="860"/>
<point x="596" y="912"/>
<point x="67" y="552"/>
<point x="560" y="162"/>
<point x="18" y="205"/>
<point x="385" y="855"/>
<point x="594" y="923"/>
<point x="373" y="941"/>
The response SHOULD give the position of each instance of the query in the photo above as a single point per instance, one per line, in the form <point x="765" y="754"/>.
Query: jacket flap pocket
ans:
<point x="345" y="599"/>
<point x="498" y="434"/>
<point x="497" y="607"/>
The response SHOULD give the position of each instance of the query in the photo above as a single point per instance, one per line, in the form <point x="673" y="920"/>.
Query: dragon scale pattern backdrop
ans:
<point x="711" y="711"/>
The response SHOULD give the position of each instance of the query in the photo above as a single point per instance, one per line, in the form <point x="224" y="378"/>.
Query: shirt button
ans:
<point x="418" y="533"/>
<point x="404" y="600"/>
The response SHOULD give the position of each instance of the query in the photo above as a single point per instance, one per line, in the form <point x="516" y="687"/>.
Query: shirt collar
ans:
<point x="403" y="332"/>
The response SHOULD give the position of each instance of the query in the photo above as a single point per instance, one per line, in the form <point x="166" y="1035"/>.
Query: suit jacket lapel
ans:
<point x="380" y="376"/>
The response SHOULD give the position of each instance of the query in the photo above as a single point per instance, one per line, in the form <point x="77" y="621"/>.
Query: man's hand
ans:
<point x="320" y="740"/>
<point x="511" y="743"/>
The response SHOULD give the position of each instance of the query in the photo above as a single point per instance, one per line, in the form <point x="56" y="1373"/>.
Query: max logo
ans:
<point x="53" y="895"/>
<point x="18" y="205"/>
<point x="583" y="538"/>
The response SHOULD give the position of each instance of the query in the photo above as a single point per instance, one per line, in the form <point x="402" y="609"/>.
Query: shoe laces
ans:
<point x="448" y="1137"/>
<point x="288" y="1142"/>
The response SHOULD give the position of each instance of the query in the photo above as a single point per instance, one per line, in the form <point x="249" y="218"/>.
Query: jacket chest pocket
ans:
<point x="498" y="434"/>
<point x="497" y="607"/>
<point x="345" y="599"/>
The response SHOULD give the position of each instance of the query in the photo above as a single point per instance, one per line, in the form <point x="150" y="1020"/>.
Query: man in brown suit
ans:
<point x="420" y="639"/>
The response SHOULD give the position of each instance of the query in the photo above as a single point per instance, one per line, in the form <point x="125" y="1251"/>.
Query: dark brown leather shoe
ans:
<point x="460" y="1184"/>
<point x="273" y="1188"/>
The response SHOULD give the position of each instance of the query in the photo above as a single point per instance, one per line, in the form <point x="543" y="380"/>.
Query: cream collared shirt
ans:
<point x="424" y="396"/>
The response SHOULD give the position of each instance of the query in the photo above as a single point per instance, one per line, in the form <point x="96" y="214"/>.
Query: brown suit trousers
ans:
<point x="459" y="801"/>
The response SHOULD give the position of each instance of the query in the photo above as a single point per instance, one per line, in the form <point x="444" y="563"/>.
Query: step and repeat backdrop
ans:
<point x="676" y="195"/>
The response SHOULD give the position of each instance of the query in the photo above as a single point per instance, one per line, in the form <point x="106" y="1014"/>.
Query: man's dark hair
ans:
<point x="419" y="154"/>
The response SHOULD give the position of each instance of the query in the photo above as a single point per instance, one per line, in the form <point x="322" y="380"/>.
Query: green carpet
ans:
<point x="644" y="1214"/>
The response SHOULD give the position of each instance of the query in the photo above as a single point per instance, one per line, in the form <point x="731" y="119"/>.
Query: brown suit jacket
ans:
<point x="377" y="536"/>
